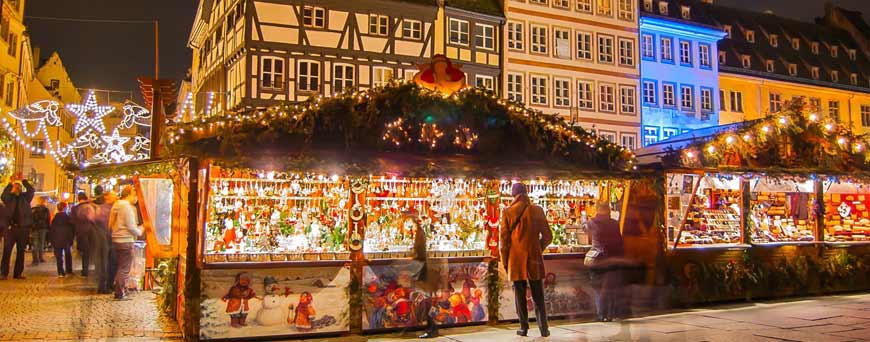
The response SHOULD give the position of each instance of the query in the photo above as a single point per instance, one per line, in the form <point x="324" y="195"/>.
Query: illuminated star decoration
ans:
<point x="114" y="152"/>
<point x="90" y="115"/>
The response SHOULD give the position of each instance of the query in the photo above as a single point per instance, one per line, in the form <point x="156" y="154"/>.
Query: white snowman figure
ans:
<point x="273" y="312"/>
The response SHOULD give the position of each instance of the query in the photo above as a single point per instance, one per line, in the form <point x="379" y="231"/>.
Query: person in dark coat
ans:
<point x="84" y="218"/>
<point x="17" y="197"/>
<point x="41" y="222"/>
<point x="61" y="237"/>
<point x="105" y="261"/>
<point x="428" y="278"/>
<point x="606" y="268"/>
<point x="524" y="235"/>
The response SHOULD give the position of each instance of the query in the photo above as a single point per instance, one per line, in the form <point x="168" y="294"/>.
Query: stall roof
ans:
<point x="652" y="154"/>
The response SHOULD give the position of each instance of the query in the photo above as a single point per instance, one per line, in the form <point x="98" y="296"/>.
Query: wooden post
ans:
<point x="745" y="206"/>
<point x="192" y="287"/>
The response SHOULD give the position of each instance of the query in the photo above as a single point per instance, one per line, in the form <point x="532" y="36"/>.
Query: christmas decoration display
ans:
<point x="440" y="75"/>
<point x="89" y="115"/>
<point x="781" y="210"/>
<point x="703" y="210"/>
<point x="847" y="217"/>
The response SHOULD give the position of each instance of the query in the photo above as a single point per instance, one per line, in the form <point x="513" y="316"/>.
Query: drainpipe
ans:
<point x="849" y="104"/>
<point x="760" y="101"/>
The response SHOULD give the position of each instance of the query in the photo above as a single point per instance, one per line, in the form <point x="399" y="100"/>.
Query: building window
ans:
<point x="515" y="87"/>
<point x="485" y="82"/>
<point x="10" y="93"/>
<point x="342" y="77"/>
<point x="584" y="6"/>
<point x="815" y="73"/>
<point x="648" y="49"/>
<point x="685" y="12"/>
<point x="607" y="98"/>
<point x="55" y="85"/>
<point x="704" y="56"/>
<point x="13" y="45"/>
<point x="865" y="115"/>
<point x="736" y="101"/>
<point x="835" y="76"/>
<point x="627" y="100"/>
<point x="815" y="48"/>
<point x="485" y="36"/>
<point x="515" y="36"/>
<point x="835" y="51"/>
<point x="853" y="79"/>
<point x="667" y="50"/>
<point x="792" y="69"/>
<point x="562" y="43"/>
<point x="775" y="102"/>
<point x="685" y="52"/>
<point x="834" y="110"/>
<point x="746" y="61"/>
<point x="379" y="25"/>
<point x="815" y="104"/>
<point x="774" y="40"/>
<point x="796" y="43"/>
<point x="458" y="32"/>
<point x="650" y="135"/>
<point x="539" y="2"/>
<point x="668" y="133"/>
<point x="663" y="7"/>
<point x="380" y="76"/>
<point x="585" y="96"/>
<point x="584" y="46"/>
<point x="687" y="97"/>
<point x="706" y="99"/>
<point x="721" y="57"/>
<point x="561" y="92"/>
<point x="668" y="99"/>
<point x="308" y="76"/>
<point x="539" y="39"/>
<point x="649" y="92"/>
<point x="722" y="100"/>
<point x="750" y="36"/>
<point x="629" y="141"/>
<point x="626" y="10"/>
<point x="38" y="150"/>
<point x="412" y="29"/>
<point x="605" y="49"/>
<point x="768" y="64"/>
<point x="605" y="7"/>
<point x="727" y="29"/>
<point x="539" y="90"/>
<point x="647" y="5"/>
<point x="626" y="52"/>
<point x="560" y="3"/>
<point x="272" y="73"/>
<point x="313" y="16"/>
<point x="852" y="54"/>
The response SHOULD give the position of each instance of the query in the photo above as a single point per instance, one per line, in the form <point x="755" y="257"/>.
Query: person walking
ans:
<point x="17" y="197"/>
<point x="83" y="217"/>
<point x="103" y="253"/>
<point x="428" y="279"/>
<point x="41" y="222"/>
<point x="125" y="230"/>
<point x="61" y="237"/>
<point x="524" y="235"/>
<point x="603" y="261"/>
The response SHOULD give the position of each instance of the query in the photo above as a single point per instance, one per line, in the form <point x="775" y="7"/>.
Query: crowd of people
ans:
<point x="103" y="230"/>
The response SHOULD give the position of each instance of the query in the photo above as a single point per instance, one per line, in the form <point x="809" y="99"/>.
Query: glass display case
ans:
<point x="703" y="210"/>
<point x="847" y="218"/>
<point x="781" y="210"/>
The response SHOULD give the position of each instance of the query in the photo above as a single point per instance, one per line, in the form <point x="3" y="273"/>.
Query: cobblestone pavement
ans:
<point x="822" y="319"/>
<point x="45" y="307"/>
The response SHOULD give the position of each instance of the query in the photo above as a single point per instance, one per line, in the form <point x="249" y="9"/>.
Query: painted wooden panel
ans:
<point x="493" y="59"/>
<point x="374" y="44"/>
<point x="480" y="57"/>
<point x="452" y="52"/>
<point x="567" y="291"/>
<point x="323" y="39"/>
<point x="464" y="54"/>
<point x="275" y="13"/>
<point x="337" y="20"/>
<point x="280" y="34"/>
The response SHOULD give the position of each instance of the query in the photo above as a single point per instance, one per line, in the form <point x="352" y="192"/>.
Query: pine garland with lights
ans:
<point x="400" y="117"/>
<point x="794" y="139"/>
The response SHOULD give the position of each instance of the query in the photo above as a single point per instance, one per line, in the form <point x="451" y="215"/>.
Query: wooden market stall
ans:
<point x="752" y="209"/>
<point x="306" y="212"/>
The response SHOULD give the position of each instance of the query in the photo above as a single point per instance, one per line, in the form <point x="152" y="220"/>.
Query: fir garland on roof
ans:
<point x="403" y="117"/>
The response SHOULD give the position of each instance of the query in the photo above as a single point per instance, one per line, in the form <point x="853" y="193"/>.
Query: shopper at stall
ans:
<point x="524" y="234"/>
<point x="105" y="263"/>
<point x="125" y="230"/>
<point x="41" y="221"/>
<point x="17" y="197"/>
<point x="83" y="216"/>
<point x="61" y="237"/>
<point x="428" y="279"/>
<point x="604" y="262"/>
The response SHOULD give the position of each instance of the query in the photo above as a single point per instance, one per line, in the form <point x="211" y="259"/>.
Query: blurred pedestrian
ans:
<point x="428" y="279"/>
<point x="61" y="237"/>
<point x="83" y="217"/>
<point x="524" y="235"/>
<point x="41" y="221"/>
<point x="17" y="197"/>
<point x="605" y="263"/>
<point x="125" y="231"/>
<point x="105" y="263"/>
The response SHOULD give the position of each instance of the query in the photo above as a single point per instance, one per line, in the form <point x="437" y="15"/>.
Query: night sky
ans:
<point x="111" y="56"/>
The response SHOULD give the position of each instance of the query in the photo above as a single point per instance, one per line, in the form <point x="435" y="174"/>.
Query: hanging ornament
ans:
<point x="90" y="115"/>
<point x="114" y="152"/>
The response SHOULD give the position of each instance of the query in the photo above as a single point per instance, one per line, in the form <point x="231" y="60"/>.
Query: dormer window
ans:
<point x="795" y="43"/>
<point x="835" y="76"/>
<point x="815" y="48"/>
<point x="721" y="57"/>
<point x="853" y="78"/>
<point x="834" y="51"/>
<point x="852" y="54"/>
<point x="792" y="69"/>
<point x="663" y="7"/>
<point x="727" y="29"/>
<point x="746" y="61"/>
<point x="647" y="5"/>
<point x="815" y="73"/>
<point x="774" y="40"/>
<point x="750" y="36"/>
<point x="769" y="65"/>
<point x="685" y="12"/>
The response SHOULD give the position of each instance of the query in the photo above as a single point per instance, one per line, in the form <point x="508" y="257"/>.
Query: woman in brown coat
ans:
<point x="524" y="235"/>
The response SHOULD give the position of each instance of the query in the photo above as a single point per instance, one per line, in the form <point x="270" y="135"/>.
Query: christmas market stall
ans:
<point x="307" y="212"/>
<point x="761" y="208"/>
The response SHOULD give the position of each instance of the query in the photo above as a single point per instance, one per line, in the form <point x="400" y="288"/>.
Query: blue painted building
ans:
<point x="679" y="72"/>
